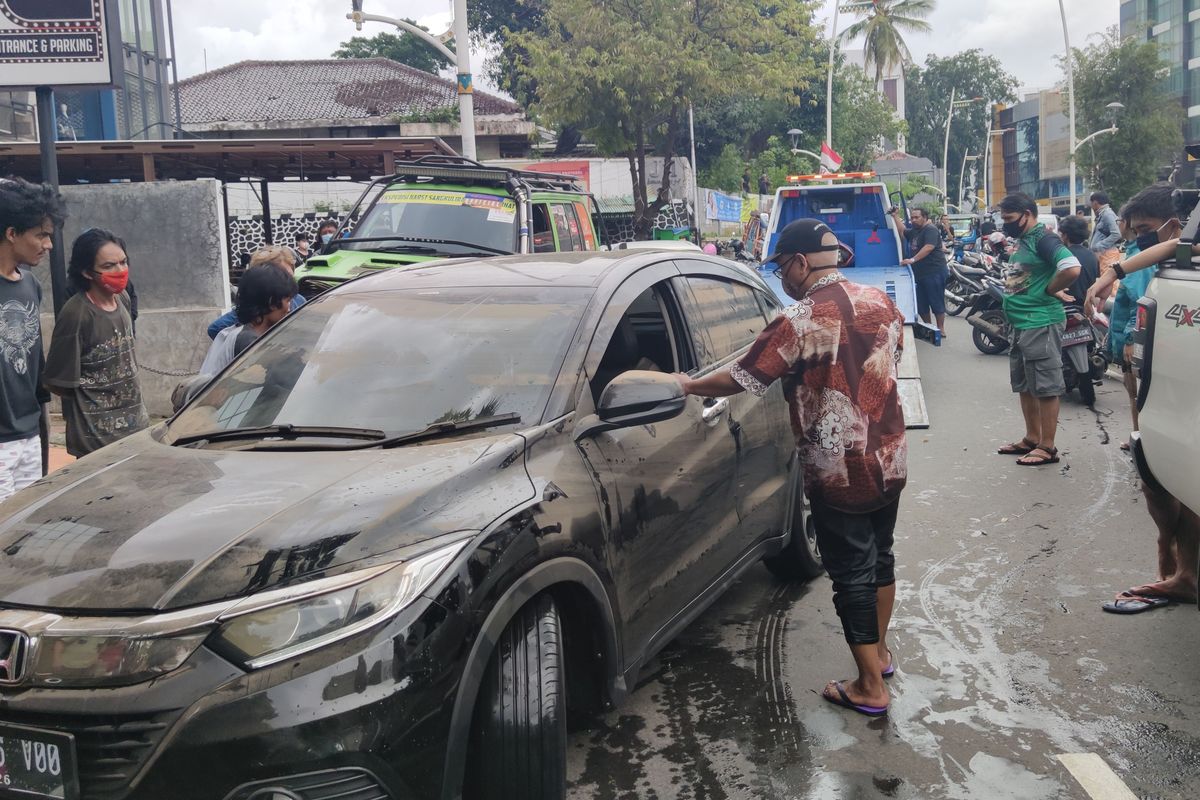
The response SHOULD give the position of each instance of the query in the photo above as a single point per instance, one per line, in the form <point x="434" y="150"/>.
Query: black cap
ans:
<point x="802" y="236"/>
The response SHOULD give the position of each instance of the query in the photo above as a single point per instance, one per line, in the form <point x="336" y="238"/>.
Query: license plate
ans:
<point x="37" y="764"/>
<point x="1074" y="337"/>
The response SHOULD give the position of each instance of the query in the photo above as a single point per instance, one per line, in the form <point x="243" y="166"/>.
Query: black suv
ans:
<point x="385" y="550"/>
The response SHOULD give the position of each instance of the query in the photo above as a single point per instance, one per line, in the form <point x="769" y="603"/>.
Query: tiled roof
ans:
<point x="326" y="89"/>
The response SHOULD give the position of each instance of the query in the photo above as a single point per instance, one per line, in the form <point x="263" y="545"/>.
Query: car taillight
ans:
<point x="1143" y="346"/>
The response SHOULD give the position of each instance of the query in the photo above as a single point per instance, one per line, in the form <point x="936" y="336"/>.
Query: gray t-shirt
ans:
<point x="21" y="361"/>
<point x="92" y="358"/>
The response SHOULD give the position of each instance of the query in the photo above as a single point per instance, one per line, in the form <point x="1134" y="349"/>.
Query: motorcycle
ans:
<point x="1085" y="353"/>
<point x="966" y="280"/>
<point x="740" y="253"/>
<point x="992" y="333"/>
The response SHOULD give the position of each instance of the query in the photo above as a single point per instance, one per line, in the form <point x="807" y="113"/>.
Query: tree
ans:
<point x="861" y="117"/>
<point x="883" y="27"/>
<point x="403" y="48"/>
<point x="625" y="72"/>
<point x="969" y="75"/>
<point x="496" y="23"/>
<point x="1151" y="126"/>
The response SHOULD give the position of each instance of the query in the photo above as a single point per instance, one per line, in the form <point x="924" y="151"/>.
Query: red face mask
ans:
<point x="114" y="282"/>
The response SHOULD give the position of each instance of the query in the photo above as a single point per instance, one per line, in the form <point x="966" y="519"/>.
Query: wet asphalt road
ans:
<point x="1004" y="657"/>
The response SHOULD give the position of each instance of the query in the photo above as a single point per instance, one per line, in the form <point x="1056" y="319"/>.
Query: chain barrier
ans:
<point x="169" y="373"/>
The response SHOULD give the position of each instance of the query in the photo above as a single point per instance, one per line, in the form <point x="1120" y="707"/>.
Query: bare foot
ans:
<point x="1179" y="589"/>
<point x="877" y="699"/>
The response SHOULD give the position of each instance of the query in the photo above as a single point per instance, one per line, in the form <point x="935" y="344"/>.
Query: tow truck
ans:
<point x="855" y="205"/>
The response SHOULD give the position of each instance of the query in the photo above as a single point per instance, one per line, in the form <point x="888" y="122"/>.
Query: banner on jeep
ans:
<point x="500" y="209"/>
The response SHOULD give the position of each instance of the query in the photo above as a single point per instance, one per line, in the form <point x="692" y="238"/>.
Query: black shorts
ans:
<point x="931" y="292"/>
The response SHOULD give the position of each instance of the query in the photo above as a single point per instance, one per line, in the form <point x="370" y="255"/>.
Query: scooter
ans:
<point x="992" y="334"/>
<point x="1085" y="353"/>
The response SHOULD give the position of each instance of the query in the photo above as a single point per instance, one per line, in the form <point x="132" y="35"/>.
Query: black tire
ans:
<point x="986" y="344"/>
<point x="953" y="308"/>
<point x="1087" y="390"/>
<point x="801" y="559"/>
<point x="519" y="730"/>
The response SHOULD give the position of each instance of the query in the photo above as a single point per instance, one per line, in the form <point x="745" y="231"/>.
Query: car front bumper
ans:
<point x="368" y="715"/>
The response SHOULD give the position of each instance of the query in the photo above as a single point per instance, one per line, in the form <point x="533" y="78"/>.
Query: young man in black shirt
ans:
<point x="29" y="213"/>
<point x="928" y="263"/>
<point x="1074" y="231"/>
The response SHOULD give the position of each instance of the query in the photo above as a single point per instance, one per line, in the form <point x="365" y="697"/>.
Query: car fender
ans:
<point x="562" y="570"/>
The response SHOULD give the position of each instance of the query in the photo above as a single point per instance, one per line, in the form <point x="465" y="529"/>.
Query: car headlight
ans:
<point x="274" y="626"/>
<point x="67" y="660"/>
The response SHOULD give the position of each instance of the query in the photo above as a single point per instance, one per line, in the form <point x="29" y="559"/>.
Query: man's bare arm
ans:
<point x="714" y="384"/>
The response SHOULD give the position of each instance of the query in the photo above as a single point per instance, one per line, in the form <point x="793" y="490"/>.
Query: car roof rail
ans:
<point x="449" y="167"/>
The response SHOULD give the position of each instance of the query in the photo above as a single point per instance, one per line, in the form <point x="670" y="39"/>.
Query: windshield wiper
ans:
<point x="285" y="431"/>
<point x="434" y="430"/>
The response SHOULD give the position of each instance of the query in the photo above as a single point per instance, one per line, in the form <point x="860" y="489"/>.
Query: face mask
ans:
<point x="1016" y="229"/>
<point x="114" y="282"/>
<point x="326" y="238"/>
<point x="1148" y="240"/>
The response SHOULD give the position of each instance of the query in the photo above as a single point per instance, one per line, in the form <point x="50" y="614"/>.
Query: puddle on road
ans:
<point x="1001" y="779"/>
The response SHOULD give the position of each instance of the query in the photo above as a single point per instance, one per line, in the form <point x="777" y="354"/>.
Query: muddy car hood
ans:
<point x="144" y="526"/>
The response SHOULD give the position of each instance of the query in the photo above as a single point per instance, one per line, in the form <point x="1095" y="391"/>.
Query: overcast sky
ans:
<point x="1026" y="35"/>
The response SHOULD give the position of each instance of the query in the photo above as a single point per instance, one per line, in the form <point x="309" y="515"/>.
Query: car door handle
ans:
<point x="713" y="409"/>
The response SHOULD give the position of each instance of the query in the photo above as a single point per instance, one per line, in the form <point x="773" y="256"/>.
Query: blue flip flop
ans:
<point x="891" y="667"/>
<point x="844" y="701"/>
<point x="1127" y="603"/>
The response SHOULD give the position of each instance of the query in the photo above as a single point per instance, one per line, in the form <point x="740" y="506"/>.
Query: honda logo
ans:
<point x="14" y="650"/>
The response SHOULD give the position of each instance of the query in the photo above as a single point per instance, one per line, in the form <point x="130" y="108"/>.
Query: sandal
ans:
<point x="1034" y="460"/>
<point x="1020" y="448"/>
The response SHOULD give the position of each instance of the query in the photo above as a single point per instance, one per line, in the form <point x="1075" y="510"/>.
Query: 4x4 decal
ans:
<point x="1182" y="315"/>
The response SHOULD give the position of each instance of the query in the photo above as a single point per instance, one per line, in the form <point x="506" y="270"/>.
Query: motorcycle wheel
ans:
<point x="954" y="287"/>
<point x="1087" y="390"/>
<point x="986" y="344"/>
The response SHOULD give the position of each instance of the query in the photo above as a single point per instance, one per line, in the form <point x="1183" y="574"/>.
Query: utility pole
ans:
<point x="47" y="119"/>
<point x="460" y="55"/>
<point x="1062" y="10"/>
<point x="829" y="81"/>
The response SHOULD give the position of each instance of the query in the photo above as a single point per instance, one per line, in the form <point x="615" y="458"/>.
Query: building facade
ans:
<point x="1174" y="25"/>
<point x="1036" y="151"/>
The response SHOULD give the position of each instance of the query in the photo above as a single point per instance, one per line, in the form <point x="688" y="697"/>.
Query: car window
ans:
<point x="409" y="217"/>
<point x="724" y="316"/>
<point x="644" y="339"/>
<point x="398" y="361"/>
<point x="543" y="237"/>
<point x="567" y="227"/>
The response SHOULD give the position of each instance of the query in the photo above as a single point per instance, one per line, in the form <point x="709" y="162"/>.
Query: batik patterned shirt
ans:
<point x="836" y="352"/>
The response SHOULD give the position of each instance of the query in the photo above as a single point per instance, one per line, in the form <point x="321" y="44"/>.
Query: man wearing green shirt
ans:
<point x="1037" y="271"/>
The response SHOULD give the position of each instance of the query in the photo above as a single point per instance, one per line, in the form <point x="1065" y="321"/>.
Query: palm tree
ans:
<point x="881" y="27"/>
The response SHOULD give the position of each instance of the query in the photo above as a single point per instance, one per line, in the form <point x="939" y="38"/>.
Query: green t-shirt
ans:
<point x="1039" y="257"/>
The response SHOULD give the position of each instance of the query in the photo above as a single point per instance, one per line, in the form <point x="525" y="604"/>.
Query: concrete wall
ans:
<point x="174" y="233"/>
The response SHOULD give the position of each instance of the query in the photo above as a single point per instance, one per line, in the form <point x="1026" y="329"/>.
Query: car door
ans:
<point x="663" y="489"/>
<point x="726" y="316"/>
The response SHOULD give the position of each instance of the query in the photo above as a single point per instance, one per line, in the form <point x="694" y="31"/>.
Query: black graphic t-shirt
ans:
<point x="21" y="392"/>
<point x="92" y="364"/>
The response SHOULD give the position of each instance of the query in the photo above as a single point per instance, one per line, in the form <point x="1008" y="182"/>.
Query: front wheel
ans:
<point x="519" y="730"/>
<point x="956" y="307"/>
<point x="801" y="559"/>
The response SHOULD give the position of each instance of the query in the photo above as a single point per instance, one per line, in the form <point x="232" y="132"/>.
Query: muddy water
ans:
<point x="1004" y="657"/>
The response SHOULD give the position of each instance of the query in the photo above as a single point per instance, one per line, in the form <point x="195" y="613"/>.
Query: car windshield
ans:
<point x="397" y="361"/>
<point x="416" y="215"/>
<point x="962" y="227"/>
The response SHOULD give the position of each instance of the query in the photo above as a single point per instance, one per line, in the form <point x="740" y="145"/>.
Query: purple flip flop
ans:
<point x="844" y="701"/>
<point x="891" y="667"/>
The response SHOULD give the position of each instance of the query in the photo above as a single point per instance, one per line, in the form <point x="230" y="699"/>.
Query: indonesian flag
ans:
<point x="830" y="160"/>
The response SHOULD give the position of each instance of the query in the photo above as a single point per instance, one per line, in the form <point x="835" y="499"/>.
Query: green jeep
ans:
<point x="450" y="207"/>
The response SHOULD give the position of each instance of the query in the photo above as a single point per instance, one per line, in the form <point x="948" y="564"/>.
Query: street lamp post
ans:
<point x="946" y="150"/>
<point x="460" y="55"/>
<point x="795" y="134"/>
<point x="1113" y="110"/>
<point x="1062" y="11"/>
<point x="829" y="78"/>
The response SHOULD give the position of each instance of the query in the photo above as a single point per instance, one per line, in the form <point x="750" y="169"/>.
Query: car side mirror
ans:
<point x="636" y="397"/>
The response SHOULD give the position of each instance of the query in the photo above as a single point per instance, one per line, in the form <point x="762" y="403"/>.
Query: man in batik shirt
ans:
<point x="836" y="351"/>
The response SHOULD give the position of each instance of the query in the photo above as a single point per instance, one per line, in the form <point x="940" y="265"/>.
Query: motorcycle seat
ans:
<point x="972" y="271"/>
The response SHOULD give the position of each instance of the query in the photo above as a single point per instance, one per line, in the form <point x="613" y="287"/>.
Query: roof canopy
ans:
<point x="227" y="160"/>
